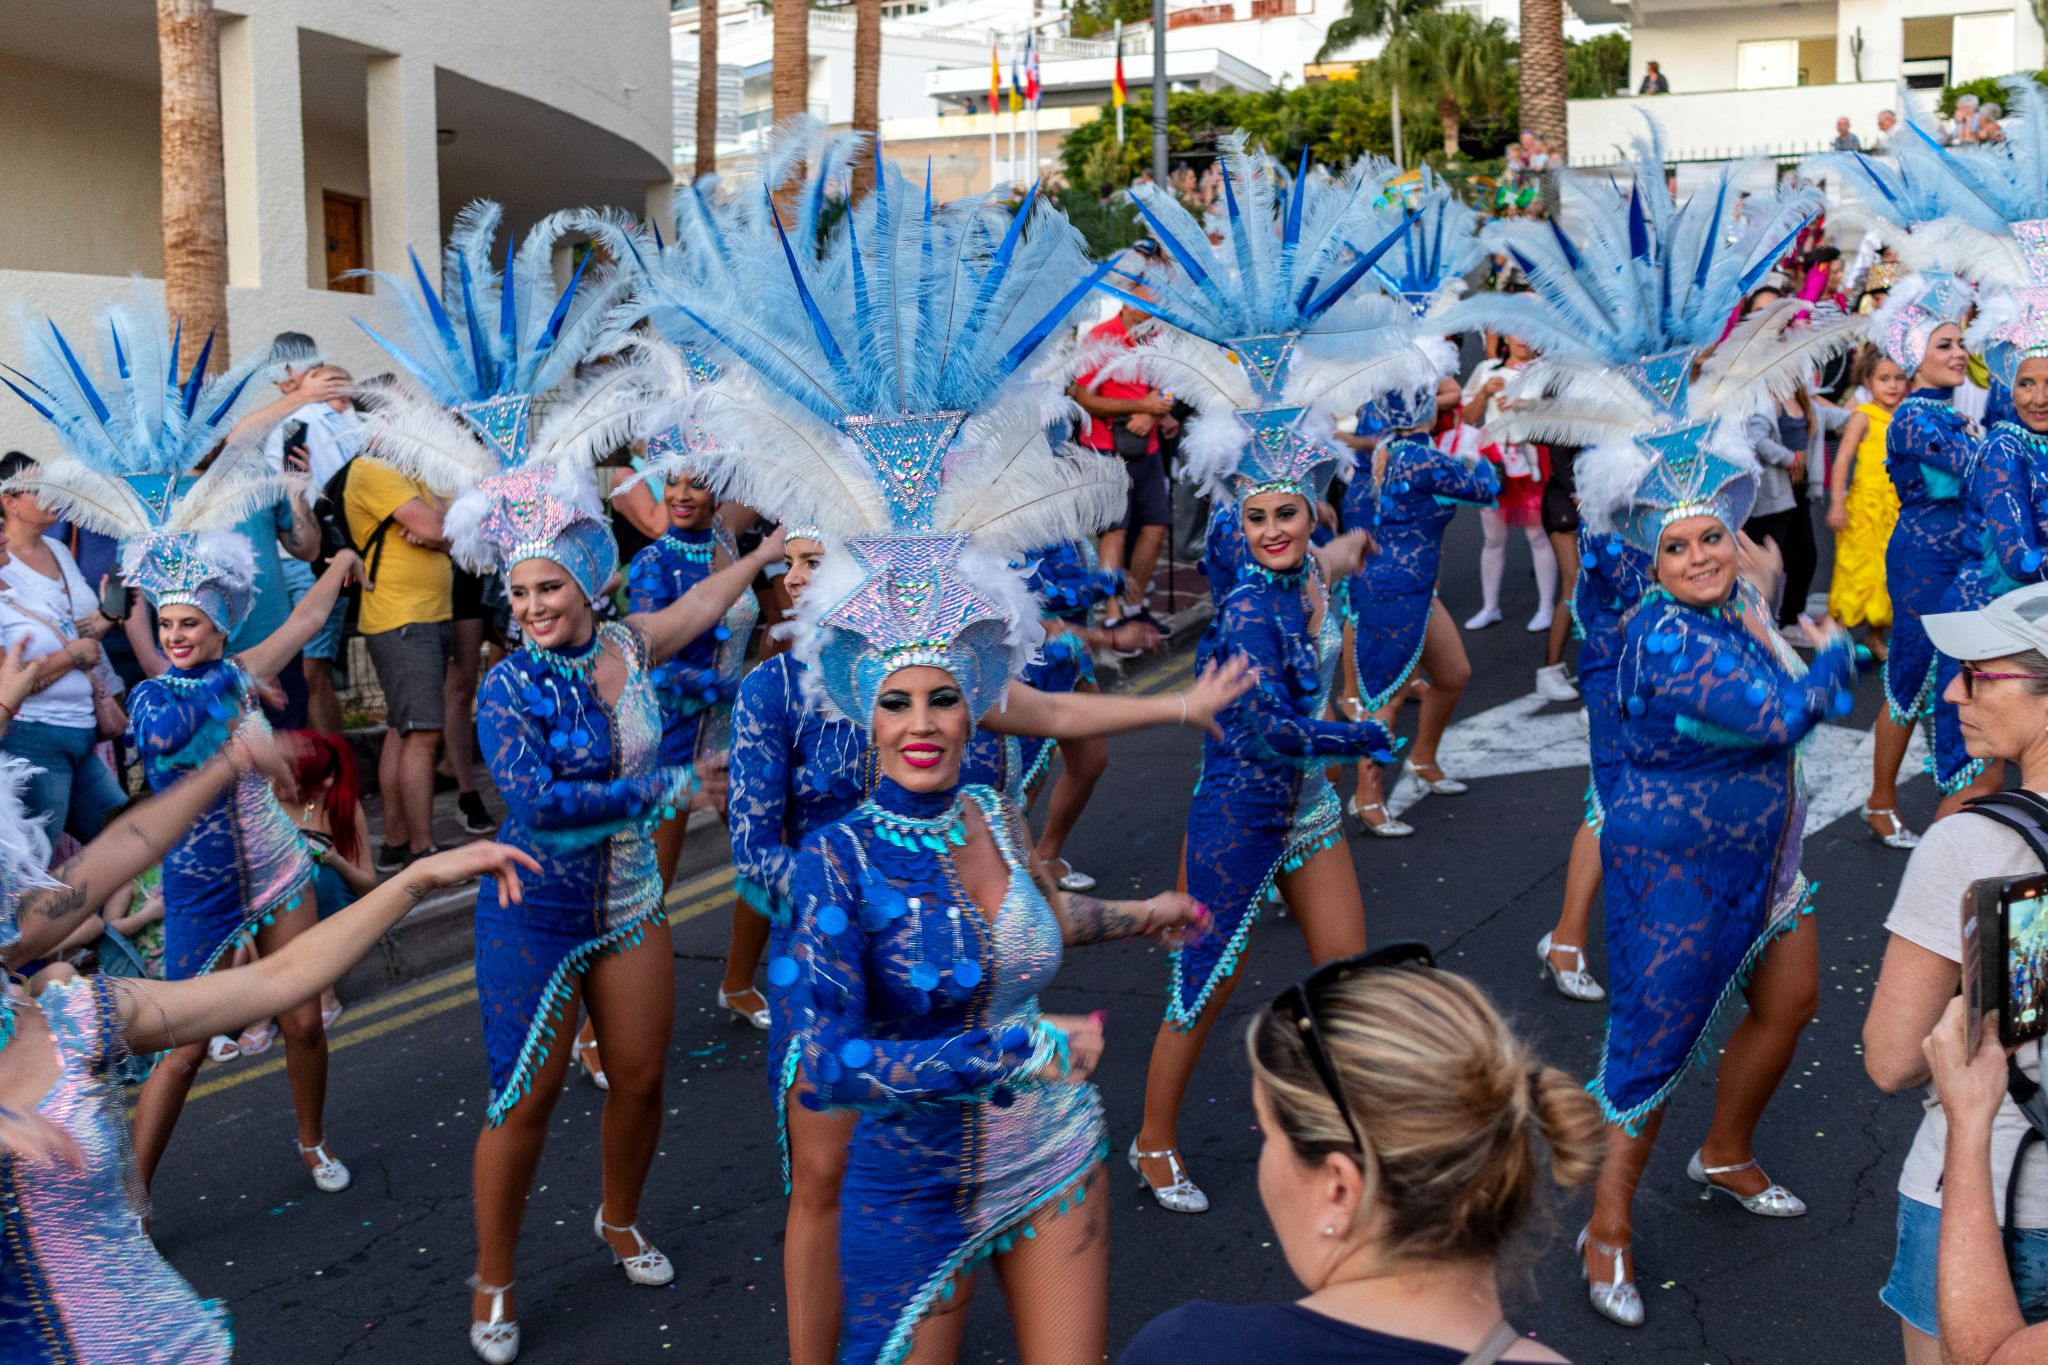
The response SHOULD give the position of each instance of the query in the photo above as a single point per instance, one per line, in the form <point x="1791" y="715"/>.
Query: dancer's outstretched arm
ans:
<point x="1085" y="715"/>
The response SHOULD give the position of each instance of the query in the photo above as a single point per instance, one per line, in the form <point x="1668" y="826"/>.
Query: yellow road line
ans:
<point x="1169" y="679"/>
<point x="706" y="891"/>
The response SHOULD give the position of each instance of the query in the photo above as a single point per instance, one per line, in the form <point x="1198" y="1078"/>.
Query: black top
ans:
<point x="1202" y="1333"/>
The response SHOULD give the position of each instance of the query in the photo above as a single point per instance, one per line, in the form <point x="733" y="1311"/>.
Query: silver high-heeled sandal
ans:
<point x="496" y="1339"/>
<point x="1899" y="838"/>
<point x="329" y="1175"/>
<point x="758" y="1018"/>
<point x="1574" y="984"/>
<point x="647" y="1265"/>
<point x="1444" y="785"/>
<point x="1774" y="1201"/>
<point x="1387" y="828"/>
<point x="1617" y="1299"/>
<point x="594" y="1073"/>
<point x="1069" y="880"/>
<point x="1183" y="1195"/>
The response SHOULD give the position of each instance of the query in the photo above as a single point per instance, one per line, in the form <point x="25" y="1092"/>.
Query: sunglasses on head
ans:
<point x="1971" y="673"/>
<point x="1297" y="1003"/>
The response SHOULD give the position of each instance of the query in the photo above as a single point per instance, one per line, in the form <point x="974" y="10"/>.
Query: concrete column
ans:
<point x="405" y="166"/>
<point x="263" y="151"/>
<point x="660" y="206"/>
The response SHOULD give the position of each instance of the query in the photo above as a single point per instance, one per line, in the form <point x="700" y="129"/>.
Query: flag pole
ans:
<point x="1118" y="78"/>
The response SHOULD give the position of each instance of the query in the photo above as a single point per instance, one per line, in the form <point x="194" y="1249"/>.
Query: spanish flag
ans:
<point x="995" y="80"/>
<point x="1118" y="94"/>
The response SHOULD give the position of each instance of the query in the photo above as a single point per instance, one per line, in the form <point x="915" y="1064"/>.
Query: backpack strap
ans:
<point x="2022" y="812"/>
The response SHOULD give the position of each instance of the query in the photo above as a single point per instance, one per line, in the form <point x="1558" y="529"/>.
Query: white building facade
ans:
<point x="1772" y="78"/>
<point x="352" y="130"/>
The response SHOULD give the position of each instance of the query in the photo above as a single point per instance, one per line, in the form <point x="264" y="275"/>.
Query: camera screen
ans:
<point x="2026" y="963"/>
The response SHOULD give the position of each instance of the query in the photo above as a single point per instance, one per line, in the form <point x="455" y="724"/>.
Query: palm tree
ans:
<point x="789" y="61"/>
<point x="707" y="86"/>
<point x="1450" y="60"/>
<point x="1545" y="82"/>
<point x="195" y="214"/>
<point x="1366" y="19"/>
<point x="867" y="79"/>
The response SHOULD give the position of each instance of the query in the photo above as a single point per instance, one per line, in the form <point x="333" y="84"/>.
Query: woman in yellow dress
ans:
<point x="1862" y="506"/>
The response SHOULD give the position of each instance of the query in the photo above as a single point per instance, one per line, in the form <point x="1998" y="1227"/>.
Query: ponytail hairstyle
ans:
<point x="1453" y="1109"/>
<point x="327" y="764"/>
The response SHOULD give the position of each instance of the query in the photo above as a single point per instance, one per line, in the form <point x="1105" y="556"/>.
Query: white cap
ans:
<point x="2010" y="625"/>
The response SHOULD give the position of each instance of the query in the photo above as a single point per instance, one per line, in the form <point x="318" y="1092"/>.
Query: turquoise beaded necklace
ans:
<point x="911" y="832"/>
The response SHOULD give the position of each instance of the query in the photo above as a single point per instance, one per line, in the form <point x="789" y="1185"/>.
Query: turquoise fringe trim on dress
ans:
<point x="792" y="1063"/>
<point x="1379" y="700"/>
<point x="1800" y="905"/>
<point x="1068" y="1193"/>
<point x="554" y="996"/>
<point x="1596" y="812"/>
<point x="1970" y="773"/>
<point x="758" y="898"/>
<point x="1923" y="705"/>
<point x="1040" y="766"/>
<point x="681" y="783"/>
<point x="1325" y="833"/>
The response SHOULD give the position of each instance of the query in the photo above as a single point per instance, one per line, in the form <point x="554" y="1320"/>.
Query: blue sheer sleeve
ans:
<point x="2005" y="492"/>
<point x="1720" y="693"/>
<point x="848" y="1067"/>
<point x="1273" y="706"/>
<point x="763" y="862"/>
<point x="576" y="813"/>
<point x="182" y="727"/>
<point x="1446" y="476"/>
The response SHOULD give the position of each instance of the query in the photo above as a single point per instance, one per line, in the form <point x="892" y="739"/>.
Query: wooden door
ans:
<point x="343" y="215"/>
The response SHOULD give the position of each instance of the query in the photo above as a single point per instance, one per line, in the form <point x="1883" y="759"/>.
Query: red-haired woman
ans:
<point x="329" y="813"/>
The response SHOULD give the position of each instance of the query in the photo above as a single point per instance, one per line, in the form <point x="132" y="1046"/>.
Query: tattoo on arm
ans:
<point x="54" y="903"/>
<point x="1089" y="920"/>
<point x="416" y="891"/>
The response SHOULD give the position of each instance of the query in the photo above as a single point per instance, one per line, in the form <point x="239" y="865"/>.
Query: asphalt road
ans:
<point x="376" y="1274"/>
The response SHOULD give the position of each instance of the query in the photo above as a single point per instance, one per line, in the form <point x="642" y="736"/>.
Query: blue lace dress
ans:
<point x="922" y="1013"/>
<point x="1418" y="494"/>
<point x="2010" y="487"/>
<point x="1223" y="559"/>
<point x="697" y="685"/>
<point x="796" y="768"/>
<point x="1067" y="585"/>
<point x="1702" y="840"/>
<point x="1263" y="805"/>
<point x="243" y="862"/>
<point x="1930" y="449"/>
<point x="583" y="791"/>
<point x="1613" y="576"/>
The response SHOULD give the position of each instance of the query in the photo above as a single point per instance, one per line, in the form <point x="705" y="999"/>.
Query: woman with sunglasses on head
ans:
<point x="1930" y="449"/>
<point x="1706" y="905"/>
<point x="1406" y="1131"/>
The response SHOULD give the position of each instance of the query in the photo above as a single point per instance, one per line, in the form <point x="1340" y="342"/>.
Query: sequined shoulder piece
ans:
<point x="85" y="1021"/>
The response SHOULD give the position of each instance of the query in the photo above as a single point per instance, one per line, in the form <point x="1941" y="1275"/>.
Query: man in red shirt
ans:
<point x="1126" y="420"/>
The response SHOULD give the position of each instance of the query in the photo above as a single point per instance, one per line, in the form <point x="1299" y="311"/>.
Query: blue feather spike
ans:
<point x="480" y="351"/>
<point x="1045" y="326"/>
<point x="92" y="395"/>
<point x="1162" y="311"/>
<point x="1240" y="239"/>
<point x="1434" y="265"/>
<point x="1564" y="244"/>
<point x="418" y="369"/>
<point x="508" y="302"/>
<point x="198" y="375"/>
<point x="1699" y="276"/>
<point x="230" y="400"/>
<point x="1171" y="243"/>
<point x="1769" y="260"/>
<point x="554" y="327"/>
<point x="823" y="331"/>
<point x="177" y="335"/>
<point x="1638" y="226"/>
<point x="1295" y="201"/>
<point x="999" y="264"/>
<point x="1356" y="271"/>
<point x="442" y="322"/>
<point x="863" y="306"/>
<point x="43" y="412"/>
<point x="659" y="245"/>
<point x="1876" y="180"/>
<point x="120" y="356"/>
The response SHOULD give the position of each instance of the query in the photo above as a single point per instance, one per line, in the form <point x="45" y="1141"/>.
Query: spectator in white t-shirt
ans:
<point x="46" y="605"/>
<point x="2004" y="717"/>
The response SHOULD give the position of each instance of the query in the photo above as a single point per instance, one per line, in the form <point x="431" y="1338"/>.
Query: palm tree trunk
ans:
<point x="1544" y="83"/>
<point x="1400" y="148"/>
<point x="707" y="86"/>
<point x="789" y="61"/>
<point x="195" y="214"/>
<point x="1452" y="118"/>
<point x="867" y="80"/>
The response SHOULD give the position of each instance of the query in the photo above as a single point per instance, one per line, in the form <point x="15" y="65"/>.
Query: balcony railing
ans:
<point x="1281" y="9"/>
<point x="1207" y="14"/>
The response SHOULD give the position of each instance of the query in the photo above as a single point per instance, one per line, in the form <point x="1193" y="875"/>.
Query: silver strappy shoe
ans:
<point x="1183" y="1195"/>
<point x="1575" y="984"/>
<point x="329" y="1175"/>
<point x="1775" y="1201"/>
<point x="1899" y="838"/>
<point x="646" y="1266"/>
<point x="1616" y="1300"/>
<point x="1388" y="828"/>
<point x="1445" y="785"/>
<point x="496" y="1339"/>
<point x="759" y="1018"/>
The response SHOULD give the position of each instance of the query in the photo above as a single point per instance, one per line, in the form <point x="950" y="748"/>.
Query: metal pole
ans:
<point x="1159" y="93"/>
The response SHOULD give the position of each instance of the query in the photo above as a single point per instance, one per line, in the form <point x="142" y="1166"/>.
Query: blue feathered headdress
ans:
<point x="873" y="385"/>
<point x="133" y="430"/>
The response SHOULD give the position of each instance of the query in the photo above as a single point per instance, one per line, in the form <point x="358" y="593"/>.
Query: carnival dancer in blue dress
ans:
<point x="132" y="437"/>
<point x="1617" y="357"/>
<point x="80" y="1282"/>
<point x="1266" y="353"/>
<point x="2010" y="484"/>
<point x="1706" y="904"/>
<point x="834" y="450"/>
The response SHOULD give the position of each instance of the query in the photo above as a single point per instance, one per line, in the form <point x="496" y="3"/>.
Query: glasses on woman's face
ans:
<point x="1297" y="1001"/>
<point x="1971" y="673"/>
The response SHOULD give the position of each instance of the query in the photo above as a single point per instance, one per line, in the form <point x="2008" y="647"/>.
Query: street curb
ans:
<point x="436" y="934"/>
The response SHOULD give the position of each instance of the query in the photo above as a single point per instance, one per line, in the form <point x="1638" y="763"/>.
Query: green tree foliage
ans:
<point x="1095" y="18"/>
<point x="1447" y="62"/>
<point x="1598" y="67"/>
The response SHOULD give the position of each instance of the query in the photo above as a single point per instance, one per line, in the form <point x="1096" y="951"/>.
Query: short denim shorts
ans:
<point x="1910" y="1290"/>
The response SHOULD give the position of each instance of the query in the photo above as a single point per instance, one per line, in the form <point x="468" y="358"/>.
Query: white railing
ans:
<point x="1787" y="122"/>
